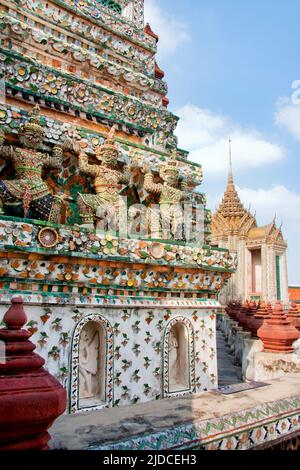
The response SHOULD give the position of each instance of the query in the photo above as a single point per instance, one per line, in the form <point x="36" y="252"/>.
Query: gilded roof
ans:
<point x="260" y="232"/>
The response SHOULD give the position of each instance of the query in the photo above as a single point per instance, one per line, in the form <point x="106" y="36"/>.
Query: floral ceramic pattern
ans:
<point x="106" y="246"/>
<point x="243" y="431"/>
<point x="90" y="65"/>
<point x="131" y="361"/>
<point x="90" y="98"/>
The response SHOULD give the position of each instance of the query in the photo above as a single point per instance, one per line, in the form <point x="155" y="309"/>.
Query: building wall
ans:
<point x="294" y="293"/>
<point x="136" y="349"/>
<point x="240" y="285"/>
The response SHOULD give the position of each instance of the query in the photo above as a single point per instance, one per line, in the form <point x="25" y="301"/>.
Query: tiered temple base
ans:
<point x="146" y="309"/>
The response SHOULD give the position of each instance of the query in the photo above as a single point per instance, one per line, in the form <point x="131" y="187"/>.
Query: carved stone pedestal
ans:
<point x="269" y="366"/>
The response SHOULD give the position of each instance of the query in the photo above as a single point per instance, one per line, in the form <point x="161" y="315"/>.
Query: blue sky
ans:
<point x="230" y="66"/>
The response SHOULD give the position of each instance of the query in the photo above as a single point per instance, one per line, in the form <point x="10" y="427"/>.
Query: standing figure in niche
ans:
<point x="173" y="359"/>
<point x="27" y="192"/>
<point x="107" y="176"/>
<point x="88" y="363"/>
<point x="168" y="217"/>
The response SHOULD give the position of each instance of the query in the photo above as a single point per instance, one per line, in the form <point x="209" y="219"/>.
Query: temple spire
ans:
<point x="231" y="205"/>
<point x="230" y="172"/>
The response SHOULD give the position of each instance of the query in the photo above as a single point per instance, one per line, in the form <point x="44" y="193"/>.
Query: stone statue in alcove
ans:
<point x="178" y="359"/>
<point x="89" y="362"/>
<point x="173" y="359"/>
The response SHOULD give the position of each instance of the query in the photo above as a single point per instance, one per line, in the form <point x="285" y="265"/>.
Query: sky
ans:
<point x="232" y="68"/>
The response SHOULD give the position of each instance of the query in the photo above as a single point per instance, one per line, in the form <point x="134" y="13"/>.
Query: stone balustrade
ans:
<point x="250" y="347"/>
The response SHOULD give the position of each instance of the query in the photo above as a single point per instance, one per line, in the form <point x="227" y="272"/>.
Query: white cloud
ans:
<point x="287" y="116"/>
<point x="206" y="135"/>
<point x="277" y="200"/>
<point x="172" y="33"/>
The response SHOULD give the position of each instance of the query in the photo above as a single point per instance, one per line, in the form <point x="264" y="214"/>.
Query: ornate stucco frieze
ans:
<point x="11" y="118"/>
<point x="88" y="16"/>
<point x="98" y="58"/>
<point x="64" y="88"/>
<point x="80" y="242"/>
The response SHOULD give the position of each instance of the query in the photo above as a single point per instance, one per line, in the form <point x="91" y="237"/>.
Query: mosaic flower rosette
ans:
<point x="89" y="243"/>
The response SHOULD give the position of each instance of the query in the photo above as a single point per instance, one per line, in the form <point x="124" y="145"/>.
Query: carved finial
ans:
<point x="33" y="124"/>
<point x="15" y="316"/>
<point x="112" y="133"/>
<point x="35" y="114"/>
<point x="108" y="151"/>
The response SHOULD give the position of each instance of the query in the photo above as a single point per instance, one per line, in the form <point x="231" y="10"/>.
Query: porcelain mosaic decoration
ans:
<point x="119" y="318"/>
<point x="245" y="430"/>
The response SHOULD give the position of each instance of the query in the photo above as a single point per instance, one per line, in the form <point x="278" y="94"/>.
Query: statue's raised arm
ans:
<point x="84" y="166"/>
<point x="150" y="186"/>
<point x="6" y="151"/>
<point x="56" y="159"/>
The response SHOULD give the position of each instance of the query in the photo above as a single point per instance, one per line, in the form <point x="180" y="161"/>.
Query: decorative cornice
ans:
<point x="46" y="40"/>
<point x="62" y="12"/>
<point x="82" y="243"/>
<point x="11" y="118"/>
<point x="64" y="88"/>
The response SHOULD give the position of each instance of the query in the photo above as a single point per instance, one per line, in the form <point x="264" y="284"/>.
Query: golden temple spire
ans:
<point x="231" y="205"/>
<point x="230" y="172"/>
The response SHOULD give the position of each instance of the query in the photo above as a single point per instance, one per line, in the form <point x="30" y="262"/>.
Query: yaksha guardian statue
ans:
<point x="27" y="191"/>
<point x="108" y="178"/>
<point x="166" y="220"/>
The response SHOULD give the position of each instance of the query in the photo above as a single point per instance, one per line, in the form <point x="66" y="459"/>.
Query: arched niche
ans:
<point x="179" y="358"/>
<point x="91" y="380"/>
<point x="91" y="365"/>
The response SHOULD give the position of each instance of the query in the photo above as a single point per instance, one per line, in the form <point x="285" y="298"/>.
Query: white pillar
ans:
<point x="284" y="279"/>
<point x="271" y="275"/>
<point x="264" y="271"/>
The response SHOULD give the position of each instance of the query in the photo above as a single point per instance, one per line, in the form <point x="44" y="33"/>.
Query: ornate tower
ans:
<point x="110" y="305"/>
<point x="261" y="251"/>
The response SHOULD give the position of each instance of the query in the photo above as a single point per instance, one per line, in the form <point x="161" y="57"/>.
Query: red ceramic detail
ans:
<point x="30" y="398"/>
<point x="148" y="30"/>
<point x="294" y="316"/>
<point x="277" y="333"/>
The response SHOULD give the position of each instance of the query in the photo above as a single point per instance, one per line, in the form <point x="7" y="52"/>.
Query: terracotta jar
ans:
<point x="233" y="310"/>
